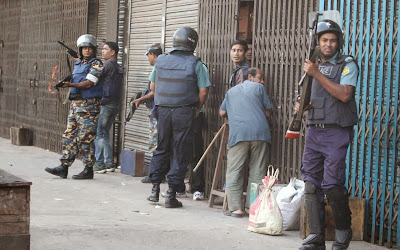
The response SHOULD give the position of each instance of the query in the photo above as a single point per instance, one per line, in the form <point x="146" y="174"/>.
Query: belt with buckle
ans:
<point x="325" y="125"/>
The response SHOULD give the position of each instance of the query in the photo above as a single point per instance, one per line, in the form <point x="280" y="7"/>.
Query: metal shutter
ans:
<point x="179" y="14"/>
<point x="145" y="29"/>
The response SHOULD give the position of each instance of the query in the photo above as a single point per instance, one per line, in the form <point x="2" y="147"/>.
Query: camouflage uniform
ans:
<point x="152" y="133"/>
<point x="79" y="136"/>
<point x="81" y="132"/>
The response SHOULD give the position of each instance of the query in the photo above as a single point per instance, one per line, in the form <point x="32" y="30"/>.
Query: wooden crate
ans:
<point x="14" y="212"/>
<point x="20" y="136"/>
<point x="357" y="207"/>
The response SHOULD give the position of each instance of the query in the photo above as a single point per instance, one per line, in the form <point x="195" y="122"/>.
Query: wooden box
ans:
<point x="14" y="212"/>
<point x="132" y="163"/>
<point x="357" y="207"/>
<point x="20" y="136"/>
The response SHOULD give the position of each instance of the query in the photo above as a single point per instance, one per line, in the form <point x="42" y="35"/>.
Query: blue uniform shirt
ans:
<point x="246" y="104"/>
<point x="349" y="73"/>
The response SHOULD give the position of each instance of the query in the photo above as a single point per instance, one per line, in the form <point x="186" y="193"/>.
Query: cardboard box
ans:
<point x="20" y="136"/>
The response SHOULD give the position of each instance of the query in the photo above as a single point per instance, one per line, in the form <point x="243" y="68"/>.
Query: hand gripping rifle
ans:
<point x="68" y="78"/>
<point x="305" y="82"/>
<point x="132" y="106"/>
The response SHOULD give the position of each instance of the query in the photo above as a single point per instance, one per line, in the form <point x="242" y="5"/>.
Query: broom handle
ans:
<point x="209" y="147"/>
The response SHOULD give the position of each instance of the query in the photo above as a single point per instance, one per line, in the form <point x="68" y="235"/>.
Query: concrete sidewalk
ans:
<point x="111" y="212"/>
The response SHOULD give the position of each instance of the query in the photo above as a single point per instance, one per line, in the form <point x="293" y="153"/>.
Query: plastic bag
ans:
<point x="265" y="216"/>
<point x="289" y="201"/>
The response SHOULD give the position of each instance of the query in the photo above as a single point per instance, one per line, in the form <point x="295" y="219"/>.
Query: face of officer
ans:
<point x="259" y="78"/>
<point x="248" y="53"/>
<point x="237" y="54"/>
<point x="87" y="52"/>
<point x="329" y="45"/>
<point x="107" y="52"/>
<point x="152" y="58"/>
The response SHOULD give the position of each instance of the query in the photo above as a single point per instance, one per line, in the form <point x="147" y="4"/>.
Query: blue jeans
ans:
<point x="104" y="154"/>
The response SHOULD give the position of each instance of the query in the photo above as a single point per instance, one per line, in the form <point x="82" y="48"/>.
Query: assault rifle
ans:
<point x="68" y="78"/>
<point x="305" y="82"/>
<point x="70" y="51"/>
<point x="132" y="106"/>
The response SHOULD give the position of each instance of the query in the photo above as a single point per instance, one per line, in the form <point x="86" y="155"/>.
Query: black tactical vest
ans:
<point x="176" y="80"/>
<point x="326" y="109"/>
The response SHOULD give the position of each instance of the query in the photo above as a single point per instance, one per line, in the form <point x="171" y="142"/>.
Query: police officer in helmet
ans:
<point x="331" y="118"/>
<point x="180" y="83"/>
<point x="85" y="94"/>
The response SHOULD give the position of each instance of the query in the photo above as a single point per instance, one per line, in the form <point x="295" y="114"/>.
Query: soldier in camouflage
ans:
<point x="85" y="95"/>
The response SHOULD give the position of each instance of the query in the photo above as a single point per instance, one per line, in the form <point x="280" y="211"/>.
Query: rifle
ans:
<point x="305" y="82"/>
<point x="132" y="108"/>
<point x="68" y="78"/>
<point x="70" y="51"/>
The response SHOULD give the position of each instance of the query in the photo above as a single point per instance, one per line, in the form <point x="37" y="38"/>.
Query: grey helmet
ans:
<point x="86" y="41"/>
<point x="185" y="39"/>
<point x="329" y="26"/>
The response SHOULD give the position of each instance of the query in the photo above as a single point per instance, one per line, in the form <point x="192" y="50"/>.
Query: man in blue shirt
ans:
<point x="247" y="107"/>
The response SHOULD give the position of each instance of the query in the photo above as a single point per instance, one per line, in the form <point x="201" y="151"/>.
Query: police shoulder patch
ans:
<point x="345" y="71"/>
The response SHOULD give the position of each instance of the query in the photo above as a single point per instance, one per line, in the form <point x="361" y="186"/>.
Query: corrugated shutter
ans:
<point x="101" y="26"/>
<point x="145" y="29"/>
<point x="42" y="23"/>
<point x="180" y="13"/>
<point x="10" y="18"/>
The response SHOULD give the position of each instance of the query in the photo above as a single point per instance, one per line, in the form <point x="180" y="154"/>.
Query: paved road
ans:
<point x="111" y="212"/>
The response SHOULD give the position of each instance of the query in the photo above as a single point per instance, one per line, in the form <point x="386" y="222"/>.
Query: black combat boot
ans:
<point x="316" y="219"/>
<point x="61" y="171"/>
<point x="342" y="239"/>
<point x="170" y="200"/>
<point x="155" y="193"/>
<point x="338" y="198"/>
<point x="87" y="173"/>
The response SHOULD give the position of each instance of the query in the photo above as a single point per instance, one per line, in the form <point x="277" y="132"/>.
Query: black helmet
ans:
<point x="329" y="26"/>
<point x="185" y="39"/>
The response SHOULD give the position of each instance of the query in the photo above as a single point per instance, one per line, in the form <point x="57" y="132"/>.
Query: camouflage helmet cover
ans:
<point x="155" y="48"/>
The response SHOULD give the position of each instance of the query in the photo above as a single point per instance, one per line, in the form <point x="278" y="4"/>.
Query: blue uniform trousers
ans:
<point x="174" y="149"/>
<point x="324" y="157"/>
